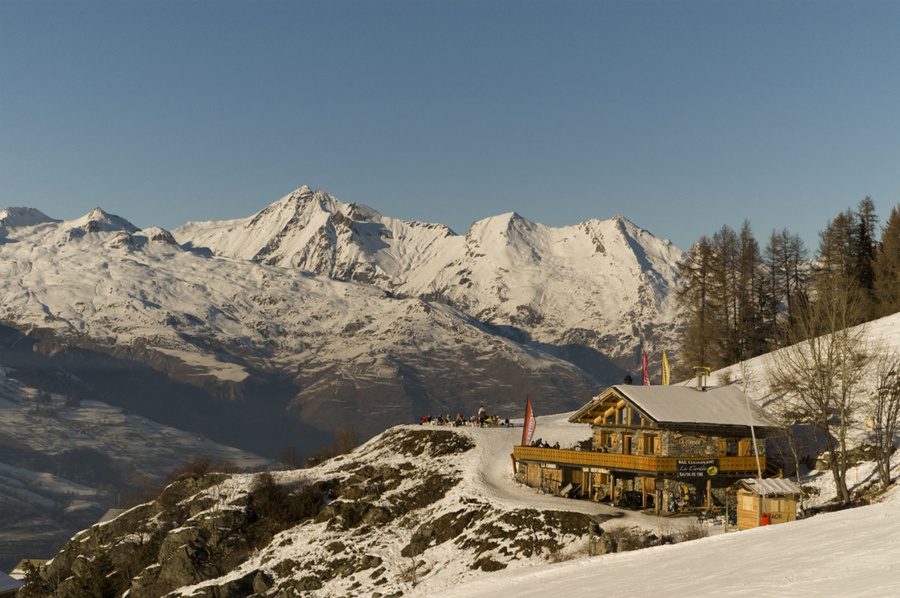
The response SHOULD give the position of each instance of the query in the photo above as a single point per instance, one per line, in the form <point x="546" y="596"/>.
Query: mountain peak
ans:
<point x="14" y="217"/>
<point x="97" y="220"/>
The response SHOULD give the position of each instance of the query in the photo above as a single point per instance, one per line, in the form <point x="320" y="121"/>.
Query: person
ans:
<point x="481" y="415"/>
<point x="459" y="419"/>
<point x="556" y="445"/>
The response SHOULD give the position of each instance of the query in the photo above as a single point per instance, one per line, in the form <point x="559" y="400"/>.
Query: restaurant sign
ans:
<point x="703" y="468"/>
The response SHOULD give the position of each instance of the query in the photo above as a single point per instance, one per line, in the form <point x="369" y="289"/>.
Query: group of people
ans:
<point x="482" y="419"/>
<point x="540" y="443"/>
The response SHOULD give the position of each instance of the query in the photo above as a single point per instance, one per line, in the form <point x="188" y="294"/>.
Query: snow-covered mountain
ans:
<point x="600" y="284"/>
<point x="331" y="314"/>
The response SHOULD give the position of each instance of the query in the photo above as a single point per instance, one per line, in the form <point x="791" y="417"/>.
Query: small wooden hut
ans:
<point x="766" y="502"/>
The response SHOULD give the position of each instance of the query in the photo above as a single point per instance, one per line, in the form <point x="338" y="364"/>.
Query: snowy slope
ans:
<point x="853" y="553"/>
<point x="850" y="553"/>
<point x="360" y="542"/>
<point x="881" y="336"/>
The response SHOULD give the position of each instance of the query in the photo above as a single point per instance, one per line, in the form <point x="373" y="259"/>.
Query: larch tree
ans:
<point x="694" y="298"/>
<point x="786" y="274"/>
<point x="752" y="332"/>
<point x="725" y="299"/>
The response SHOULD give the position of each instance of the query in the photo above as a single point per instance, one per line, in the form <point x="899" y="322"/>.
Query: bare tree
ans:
<point x="793" y="442"/>
<point x="884" y="411"/>
<point x="822" y="370"/>
<point x="345" y="440"/>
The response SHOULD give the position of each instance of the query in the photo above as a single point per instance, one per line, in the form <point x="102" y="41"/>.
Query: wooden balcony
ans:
<point x="637" y="463"/>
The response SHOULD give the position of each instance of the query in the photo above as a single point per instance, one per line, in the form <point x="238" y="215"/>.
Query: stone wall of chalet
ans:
<point x="678" y="444"/>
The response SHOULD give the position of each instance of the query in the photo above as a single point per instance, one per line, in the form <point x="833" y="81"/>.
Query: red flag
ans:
<point x="530" y="424"/>
<point x="646" y="373"/>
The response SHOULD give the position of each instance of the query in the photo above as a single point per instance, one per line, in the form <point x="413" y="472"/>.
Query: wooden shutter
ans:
<point x="723" y="446"/>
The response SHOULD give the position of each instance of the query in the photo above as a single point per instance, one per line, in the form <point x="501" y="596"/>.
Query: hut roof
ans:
<point x="771" y="486"/>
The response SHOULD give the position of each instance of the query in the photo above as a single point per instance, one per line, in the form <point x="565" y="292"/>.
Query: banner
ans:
<point x="646" y="381"/>
<point x="530" y="424"/>
<point x="665" y="370"/>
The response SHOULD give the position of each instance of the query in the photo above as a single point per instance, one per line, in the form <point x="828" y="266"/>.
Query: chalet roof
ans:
<point x="718" y="406"/>
<point x="771" y="486"/>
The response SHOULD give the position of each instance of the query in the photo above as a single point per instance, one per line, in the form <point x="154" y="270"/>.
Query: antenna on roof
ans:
<point x="702" y="373"/>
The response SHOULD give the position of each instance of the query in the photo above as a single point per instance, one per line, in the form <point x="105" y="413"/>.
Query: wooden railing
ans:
<point x="631" y="462"/>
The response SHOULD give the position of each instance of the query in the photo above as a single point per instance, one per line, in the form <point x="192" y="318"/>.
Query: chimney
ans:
<point x="702" y="374"/>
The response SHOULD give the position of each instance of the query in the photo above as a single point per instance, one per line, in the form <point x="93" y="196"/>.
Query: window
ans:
<point x="635" y="417"/>
<point x="728" y="447"/>
<point x="650" y="444"/>
<point x="607" y="439"/>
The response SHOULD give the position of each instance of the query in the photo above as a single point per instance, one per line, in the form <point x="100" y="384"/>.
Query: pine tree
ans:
<point x="864" y="251"/>
<point x="887" y="267"/>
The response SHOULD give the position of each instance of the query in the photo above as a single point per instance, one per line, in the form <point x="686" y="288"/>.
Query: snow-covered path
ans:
<point x="491" y="475"/>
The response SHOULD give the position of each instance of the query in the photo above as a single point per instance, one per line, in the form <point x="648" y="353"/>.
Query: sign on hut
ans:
<point x="767" y="501"/>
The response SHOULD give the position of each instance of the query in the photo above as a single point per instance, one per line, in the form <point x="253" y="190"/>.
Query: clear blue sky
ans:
<point x="680" y="116"/>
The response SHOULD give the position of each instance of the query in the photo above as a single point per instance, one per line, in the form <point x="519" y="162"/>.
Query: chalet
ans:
<point x="671" y="447"/>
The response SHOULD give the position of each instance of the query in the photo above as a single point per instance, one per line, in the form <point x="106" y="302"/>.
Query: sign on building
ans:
<point x="704" y="468"/>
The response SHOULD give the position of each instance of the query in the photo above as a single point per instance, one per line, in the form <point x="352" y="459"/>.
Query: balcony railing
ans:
<point x="650" y="463"/>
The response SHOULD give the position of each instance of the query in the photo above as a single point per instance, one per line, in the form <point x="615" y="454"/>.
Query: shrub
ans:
<point x="631" y="538"/>
<point x="197" y="467"/>
<point x="345" y="440"/>
<point x="694" y="531"/>
<point x="278" y="506"/>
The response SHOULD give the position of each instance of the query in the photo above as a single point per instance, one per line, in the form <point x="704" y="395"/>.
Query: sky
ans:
<point x="682" y="116"/>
